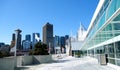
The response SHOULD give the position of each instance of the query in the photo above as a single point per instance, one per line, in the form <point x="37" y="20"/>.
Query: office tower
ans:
<point x="19" y="36"/>
<point x="13" y="37"/>
<point x="62" y="44"/>
<point x="2" y="44"/>
<point x="66" y="37"/>
<point x="28" y="37"/>
<point x="62" y="40"/>
<point x="48" y="35"/>
<point x="13" y="41"/>
<point x="56" y="41"/>
<point x="26" y="45"/>
<point x="36" y="39"/>
<point x="57" y="44"/>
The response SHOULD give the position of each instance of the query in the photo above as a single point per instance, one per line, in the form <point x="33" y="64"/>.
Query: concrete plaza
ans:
<point x="69" y="63"/>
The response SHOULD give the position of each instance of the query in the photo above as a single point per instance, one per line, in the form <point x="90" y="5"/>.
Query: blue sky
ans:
<point x="31" y="15"/>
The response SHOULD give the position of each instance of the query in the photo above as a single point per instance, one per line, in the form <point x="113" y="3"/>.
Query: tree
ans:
<point x="40" y="49"/>
<point x="1" y="54"/>
<point x="4" y="54"/>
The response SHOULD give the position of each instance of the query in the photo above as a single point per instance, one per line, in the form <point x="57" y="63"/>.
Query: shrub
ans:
<point x="39" y="49"/>
<point x="4" y="54"/>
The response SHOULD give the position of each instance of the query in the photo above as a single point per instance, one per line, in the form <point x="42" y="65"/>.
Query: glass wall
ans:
<point x="107" y="31"/>
<point x="112" y="50"/>
<point x="117" y="48"/>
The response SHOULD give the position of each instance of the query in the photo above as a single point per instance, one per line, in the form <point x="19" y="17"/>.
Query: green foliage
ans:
<point x="4" y="54"/>
<point x="78" y="54"/>
<point x="1" y="55"/>
<point x="31" y="52"/>
<point x="39" y="49"/>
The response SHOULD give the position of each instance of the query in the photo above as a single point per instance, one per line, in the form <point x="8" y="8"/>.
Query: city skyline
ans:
<point x="30" y="16"/>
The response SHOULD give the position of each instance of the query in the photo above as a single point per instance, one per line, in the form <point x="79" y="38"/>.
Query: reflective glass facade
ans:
<point x="101" y="38"/>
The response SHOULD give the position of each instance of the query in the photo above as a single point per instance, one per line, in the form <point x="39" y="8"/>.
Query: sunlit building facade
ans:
<point x="103" y="34"/>
<point x="81" y="34"/>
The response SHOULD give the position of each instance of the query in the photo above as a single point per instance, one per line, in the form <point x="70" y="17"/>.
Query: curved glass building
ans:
<point x="103" y="34"/>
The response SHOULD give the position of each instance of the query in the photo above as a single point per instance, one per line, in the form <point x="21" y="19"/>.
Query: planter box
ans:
<point x="36" y="59"/>
<point x="42" y="59"/>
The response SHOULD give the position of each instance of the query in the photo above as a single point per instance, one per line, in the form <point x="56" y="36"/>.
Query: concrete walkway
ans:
<point x="70" y="63"/>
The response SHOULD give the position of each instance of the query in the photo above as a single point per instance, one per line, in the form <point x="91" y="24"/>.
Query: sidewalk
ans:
<point x="70" y="63"/>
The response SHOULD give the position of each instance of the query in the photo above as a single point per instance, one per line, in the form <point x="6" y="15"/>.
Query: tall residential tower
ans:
<point x="48" y="35"/>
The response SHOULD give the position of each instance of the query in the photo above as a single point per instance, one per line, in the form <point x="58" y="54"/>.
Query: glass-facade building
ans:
<point x="103" y="34"/>
<point x="34" y="39"/>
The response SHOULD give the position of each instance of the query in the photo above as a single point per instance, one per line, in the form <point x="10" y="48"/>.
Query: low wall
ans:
<point x="42" y="59"/>
<point x="36" y="59"/>
<point x="27" y="60"/>
<point x="7" y="63"/>
<point x="10" y="63"/>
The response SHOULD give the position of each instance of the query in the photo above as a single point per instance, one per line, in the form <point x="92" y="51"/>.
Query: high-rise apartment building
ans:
<point x="13" y="40"/>
<point x="48" y="35"/>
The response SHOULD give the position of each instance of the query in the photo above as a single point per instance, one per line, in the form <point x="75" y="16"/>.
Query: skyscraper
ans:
<point x="62" y="40"/>
<point x="13" y="37"/>
<point x="57" y="44"/>
<point x="35" y="40"/>
<point x="26" y="44"/>
<point x="62" y="44"/>
<point x="19" y="36"/>
<point x="56" y="41"/>
<point x="48" y="35"/>
<point x="28" y="37"/>
<point x="66" y="37"/>
<point x="13" y="40"/>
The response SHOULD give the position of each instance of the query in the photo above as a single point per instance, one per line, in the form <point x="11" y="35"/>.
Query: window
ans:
<point x="111" y="50"/>
<point x="117" y="47"/>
